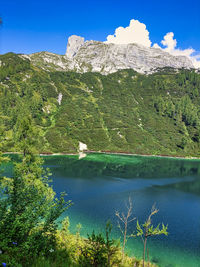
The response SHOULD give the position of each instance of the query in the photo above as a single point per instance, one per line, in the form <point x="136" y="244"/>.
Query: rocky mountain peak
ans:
<point x="73" y="45"/>
<point x="95" y="56"/>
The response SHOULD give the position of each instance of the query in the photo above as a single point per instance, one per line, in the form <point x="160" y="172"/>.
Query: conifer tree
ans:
<point x="28" y="207"/>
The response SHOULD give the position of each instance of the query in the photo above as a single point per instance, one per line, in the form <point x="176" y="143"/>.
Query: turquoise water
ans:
<point x="100" y="184"/>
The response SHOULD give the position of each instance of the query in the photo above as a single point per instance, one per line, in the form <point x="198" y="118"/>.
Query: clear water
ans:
<point x="100" y="184"/>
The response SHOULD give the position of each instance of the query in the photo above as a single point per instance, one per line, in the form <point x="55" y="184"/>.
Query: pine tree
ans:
<point x="28" y="207"/>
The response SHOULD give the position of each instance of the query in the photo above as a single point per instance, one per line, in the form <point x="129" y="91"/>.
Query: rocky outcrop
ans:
<point x="108" y="58"/>
<point x="74" y="44"/>
<point x="94" y="56"/>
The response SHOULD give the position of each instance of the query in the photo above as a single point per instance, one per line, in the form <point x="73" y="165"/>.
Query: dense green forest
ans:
<point x="124" y="111"/>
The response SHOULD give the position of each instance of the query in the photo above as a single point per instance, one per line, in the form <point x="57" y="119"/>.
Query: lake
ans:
<point x="100" y="184"/>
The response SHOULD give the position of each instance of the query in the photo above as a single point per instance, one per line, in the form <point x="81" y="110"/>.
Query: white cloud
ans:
<point x="136" y="32"/>
<point x="169" y="41"/>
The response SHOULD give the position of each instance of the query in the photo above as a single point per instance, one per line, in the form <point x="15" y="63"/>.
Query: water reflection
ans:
<point x="128" y="167"/>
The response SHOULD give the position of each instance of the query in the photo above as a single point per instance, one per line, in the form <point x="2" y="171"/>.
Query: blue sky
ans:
<point x="32" y="26"/>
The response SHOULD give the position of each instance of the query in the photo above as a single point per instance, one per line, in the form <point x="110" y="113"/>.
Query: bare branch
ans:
<point x="125" y="219"/>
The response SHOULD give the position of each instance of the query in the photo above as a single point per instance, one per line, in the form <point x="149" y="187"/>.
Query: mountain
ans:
<point x="125" y="111"/>
<point x="94" y="56"/>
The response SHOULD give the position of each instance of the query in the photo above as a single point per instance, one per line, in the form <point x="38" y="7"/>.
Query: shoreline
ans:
<point x="109" y="153"/>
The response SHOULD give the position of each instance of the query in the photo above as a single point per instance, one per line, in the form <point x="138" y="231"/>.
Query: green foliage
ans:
<point x="28" y="207"/>
<point x="182" y="110"/>
<point x="25" y="134"/>
<point x="100" y="250"/>
<point x="28" y="213"/>
<point x="12" y="64"/>
<point x="94" y="254"/>
<point x="147" y="230"/>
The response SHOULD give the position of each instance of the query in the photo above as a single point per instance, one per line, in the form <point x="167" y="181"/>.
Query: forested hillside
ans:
<point x="124" y="111"/>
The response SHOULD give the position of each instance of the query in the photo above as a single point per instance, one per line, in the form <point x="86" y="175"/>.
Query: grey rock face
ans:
<point x="74" y="44"/>
<point x="108" y="58"/>
<point x="93" y="56"/>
